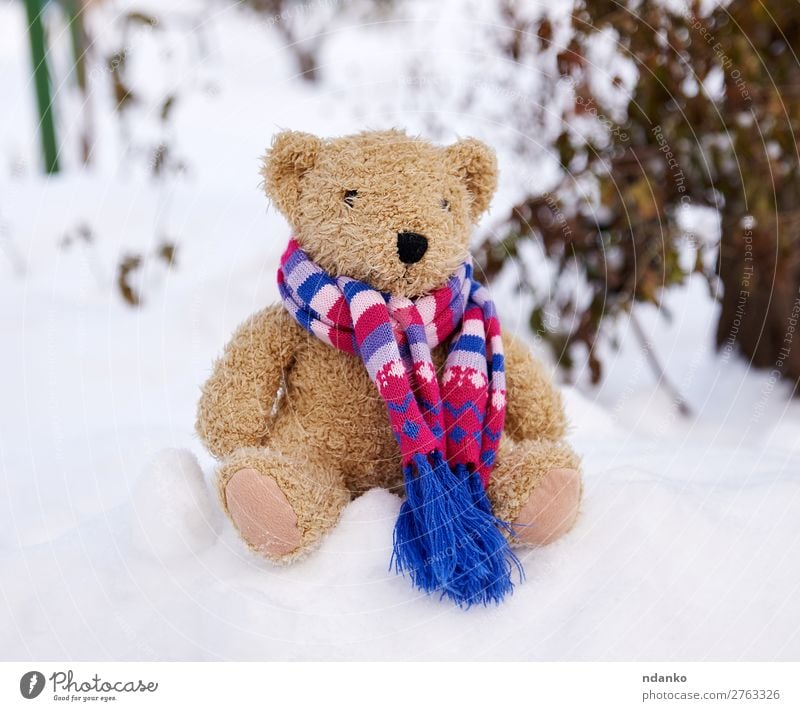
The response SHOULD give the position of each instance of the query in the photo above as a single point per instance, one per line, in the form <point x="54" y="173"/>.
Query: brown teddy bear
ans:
<point x="301" y="427"/>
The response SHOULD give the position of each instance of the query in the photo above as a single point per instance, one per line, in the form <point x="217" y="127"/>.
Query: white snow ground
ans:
<point x="111" y="546"/>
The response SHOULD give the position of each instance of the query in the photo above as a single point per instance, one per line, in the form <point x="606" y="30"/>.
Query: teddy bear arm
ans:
<point x="534" y="408"/>
<point x="236" y="405"/>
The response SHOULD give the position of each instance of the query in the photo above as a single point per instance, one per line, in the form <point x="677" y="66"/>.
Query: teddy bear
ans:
<point x="302" y="413"/>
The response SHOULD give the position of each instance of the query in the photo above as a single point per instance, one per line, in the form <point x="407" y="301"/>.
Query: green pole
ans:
<point x="41" y="77"/>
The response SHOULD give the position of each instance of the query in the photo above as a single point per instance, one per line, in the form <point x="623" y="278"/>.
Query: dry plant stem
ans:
<point x="658" y="369"/>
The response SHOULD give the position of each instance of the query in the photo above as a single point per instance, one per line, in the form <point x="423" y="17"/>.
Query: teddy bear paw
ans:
<point x="552" y="508"/>
<point x="262" y="513"/>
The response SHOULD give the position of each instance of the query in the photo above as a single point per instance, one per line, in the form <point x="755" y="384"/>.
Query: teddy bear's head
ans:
<point x="381" y="207"/>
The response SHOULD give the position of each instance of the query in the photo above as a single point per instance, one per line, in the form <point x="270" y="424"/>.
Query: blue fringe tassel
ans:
<point x="446" y="537"/>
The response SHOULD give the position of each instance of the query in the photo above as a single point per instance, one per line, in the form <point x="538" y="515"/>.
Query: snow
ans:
<point x="112" y="543"/>
<point x="658" y="568"/>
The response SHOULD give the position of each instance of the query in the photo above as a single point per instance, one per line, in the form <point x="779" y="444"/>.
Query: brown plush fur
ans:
<point x="284" y="403"/>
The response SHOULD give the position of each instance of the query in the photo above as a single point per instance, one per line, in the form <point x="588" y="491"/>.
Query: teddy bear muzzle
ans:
<point x="411" y="247"/>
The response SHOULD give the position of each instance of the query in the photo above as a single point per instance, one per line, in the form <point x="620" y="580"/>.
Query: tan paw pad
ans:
<point x="551" y="509"/>
<point x="262" y="513"/>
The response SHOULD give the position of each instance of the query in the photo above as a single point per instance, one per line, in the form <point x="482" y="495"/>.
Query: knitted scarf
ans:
<point x="446" y="537"/>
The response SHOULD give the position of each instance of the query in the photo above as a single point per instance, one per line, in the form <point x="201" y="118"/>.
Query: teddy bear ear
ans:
<point x="291" y="155"/>
<point x="476" y="165"/>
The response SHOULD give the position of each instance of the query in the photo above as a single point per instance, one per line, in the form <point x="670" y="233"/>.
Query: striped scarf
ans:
<point x="448" y="432"/>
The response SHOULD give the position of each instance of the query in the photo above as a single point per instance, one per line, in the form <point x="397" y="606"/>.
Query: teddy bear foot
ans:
<point x="262" y="513"/>
<point x="551" y="510"/>
<point x="281" y="505"/>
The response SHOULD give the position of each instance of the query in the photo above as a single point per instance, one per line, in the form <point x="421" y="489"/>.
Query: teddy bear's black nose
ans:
<point x="411" y="246"/>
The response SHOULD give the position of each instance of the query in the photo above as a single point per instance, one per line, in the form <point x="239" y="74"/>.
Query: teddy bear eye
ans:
<point x="444" y="203"/>
<point x="350" y="197"/>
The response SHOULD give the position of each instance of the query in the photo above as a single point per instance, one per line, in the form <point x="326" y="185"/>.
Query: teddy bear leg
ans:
<point x="280" y="505"/>
<point x="536" y="487"/>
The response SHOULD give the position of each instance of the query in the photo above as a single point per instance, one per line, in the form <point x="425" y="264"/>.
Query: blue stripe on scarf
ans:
<point x="380" y="336"/>
<point x="311" y="286"/>
<point x="305" y="318"/>
<point x="352" y="287"/>
<point x="472" y="344"/>
<point x="416" y="334"/>
<point x="296" y="257"/>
